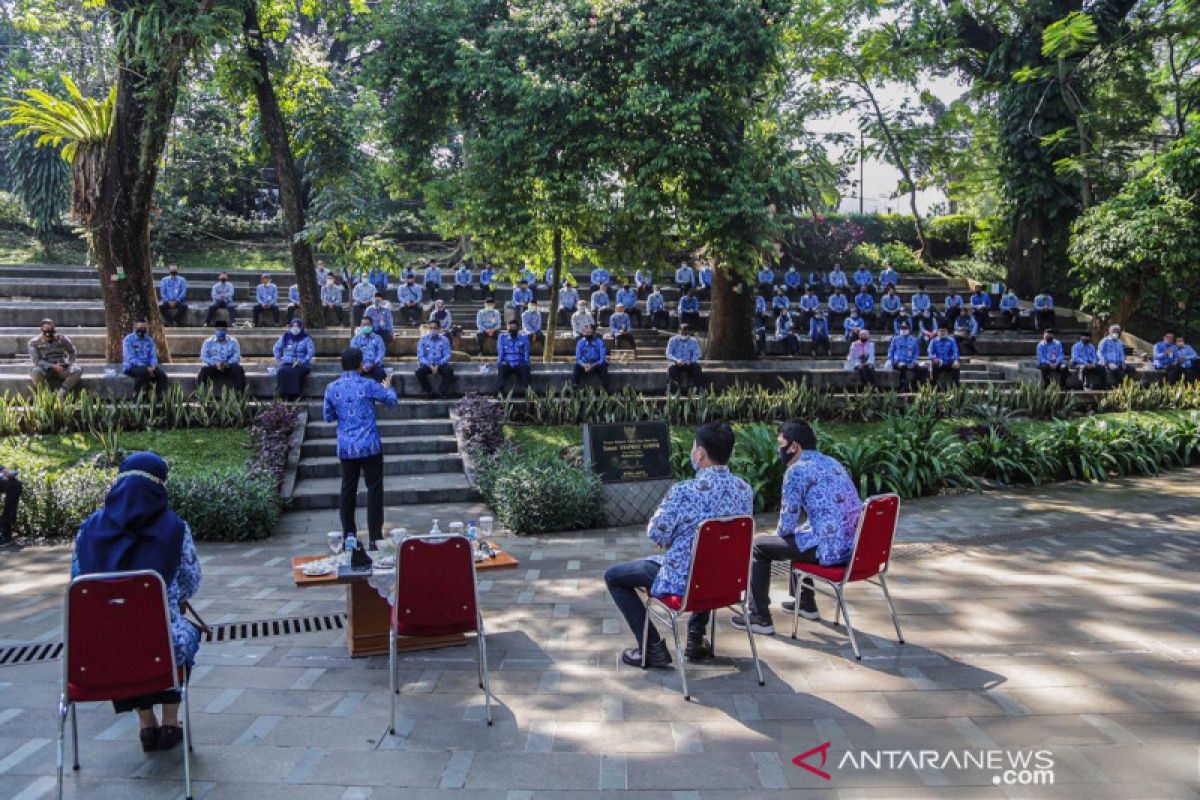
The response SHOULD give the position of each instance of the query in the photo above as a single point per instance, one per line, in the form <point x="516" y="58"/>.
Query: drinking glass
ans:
<point x="456" y="529"/>
<point x="399" y="535"/>
<point x="335" y="540"/>
<point x="485" y="527"/>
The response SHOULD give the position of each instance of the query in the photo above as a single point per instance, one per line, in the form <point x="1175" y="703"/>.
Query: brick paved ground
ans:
<point x="1061" y="618"/>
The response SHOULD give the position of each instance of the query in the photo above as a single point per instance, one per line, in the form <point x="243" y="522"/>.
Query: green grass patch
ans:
<point x="21" y="248"/>
<point x="259" y="256"/>
<point x="190" y="452"/>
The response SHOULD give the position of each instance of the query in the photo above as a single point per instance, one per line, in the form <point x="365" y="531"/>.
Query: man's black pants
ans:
<point x="623" y="581"/>
<point x="578" y="374"/>
<point x="11" y="489"/>
<point x="1057" y="373"/>
<point x="141" y="377"/>
<point x="259" y="310"/>
<point x="371" y="470"/>
<point x="936" y="373"/>
<point x="769" y="548"/>
<point x="171" y="316"/>
<point x="445" y="372"/>
<point x="676" y="373"/>
<point x="506" y="371"/>
<point x="233" y="376"/>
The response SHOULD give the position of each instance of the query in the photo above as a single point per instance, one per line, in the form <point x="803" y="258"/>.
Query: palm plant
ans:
<point x="79" y="125"/>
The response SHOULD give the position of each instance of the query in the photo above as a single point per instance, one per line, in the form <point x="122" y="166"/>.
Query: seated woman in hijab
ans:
<point x="135" y="530"/>
<point x="293" y="360"/>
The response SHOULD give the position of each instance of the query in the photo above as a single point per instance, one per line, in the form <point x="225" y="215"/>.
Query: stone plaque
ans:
<point x="628" y="452"/>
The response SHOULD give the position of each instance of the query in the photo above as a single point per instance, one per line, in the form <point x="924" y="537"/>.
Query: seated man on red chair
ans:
<point x="822" y="489"/>
<point x="715" y="492"/>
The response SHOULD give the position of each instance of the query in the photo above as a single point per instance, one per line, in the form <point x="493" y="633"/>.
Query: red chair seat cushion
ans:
<point x="835" y="573"/>
<point x="671" y="601"/>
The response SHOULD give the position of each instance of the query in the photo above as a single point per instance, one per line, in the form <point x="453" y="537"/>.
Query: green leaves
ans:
<point x="55" y="122"/>
<point x="1070" y="35"/>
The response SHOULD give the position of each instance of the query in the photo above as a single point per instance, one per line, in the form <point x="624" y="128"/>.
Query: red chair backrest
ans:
<point x="876" y="532"/>
<point x="435" y="595"/>
<point x="118" y="636"/>
<point x="720" y="564"/>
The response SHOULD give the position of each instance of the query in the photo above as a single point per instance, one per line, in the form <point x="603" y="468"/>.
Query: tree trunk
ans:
<point x="1027" y="255"/>
<point x="1129" y="303"/>
<point x="291" y="191"/>
<point x="147" y="89"/>
<point x="730" y="328"/>
<point x="552" y="315"/>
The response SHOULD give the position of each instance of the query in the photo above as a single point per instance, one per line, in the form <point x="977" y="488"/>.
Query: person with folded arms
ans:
<point x="1051" y="362"/>
<point x="1112" y="359"/>
<point x="1086" y="362"/>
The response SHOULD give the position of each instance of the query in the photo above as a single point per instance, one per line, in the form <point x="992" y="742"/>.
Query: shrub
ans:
<point x="821" y="242"/>
<point x="531" y="497"/>
<point x="949" y="236"/>
<point x="480" y="423"/>
<point x="272" y="432"/>
<point x="227" y="505"/>
<point x="900" y="256"/>
<point x="53" y="504"/>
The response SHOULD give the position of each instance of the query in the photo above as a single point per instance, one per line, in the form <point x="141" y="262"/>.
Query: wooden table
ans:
<point x="368" y="614"/>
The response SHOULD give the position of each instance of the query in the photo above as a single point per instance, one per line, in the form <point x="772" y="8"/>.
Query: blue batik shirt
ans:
<point x="409" y="293"/>
<point x="372" y="347"/>
<point x="641" y="277"/>
<point x="1112" y="350"/>
<point x="433" y="350"/>
<point x="851" y="322"/>
<point x="512" y="350"/>
<point x="863" y="277"/>
<point x="920" y="302"/>
<point x="967" y="326"/>
<point x="300" y="350"/>
<point x="791" y="279"/>
<point x="820" y="488"/>
<point x="714" y="493"/>
<point x="837" y="278"/>
<point x="687" y="303"/>
<point x="953" y="301"/>
<point x="1008" y="301"/>
<point x="809" y="302"/>
<point x="185" y="637"/>
<point x="350" y="402"/>
<point x="487" y="276"/>
<point x="944" y="349"/>
<point x="889" y="275"/>
<point x="864" y="302"/>
<point x="818" y="328"/>
<point x="600" y="277"/>
<point x="138" y="352"/>
<point x="379" y="279"/>
<point x="331" y="294"/>
<point x="1187" y="356"/>
<point x="521" y="297"/>
<point x="618" y="322"/>
<point x="684" y="275"/>
<point x="216" y="351"/>
<point x="294" y="294"/>
<point x="904" y="349"/>
<point x="1050" y="352"/>
<point x="655" y="302"/>
<point x="981" y="300"/>
<point x="568" y="298"/>
<point x="766" y="276"/>
<point x="1043" y="302"/>
<point x="487" y="319"/>
<point x="760" y="304"/>
<point x="780" y="301"/>
<point x="838" y="303"/>
<point x="783" y="326"/>
<point x="599" y="299"/>
<point x="683" y="349"/>
<point x="222" y="292"/>
<point x="433" y="276"/>
<point x="1165" y="355"/>
<point x="705" y="276"/>
<point x="462" y="277"/>
<point x="267" y="294"/>
<point x="363" y="292"/>
<point x="1083" y="354"/>
<point x="891" y="302"/>
<point x="531" y="321"/>
<point x="381" y="316"/>
<point x="628" y="298"/>
<point x="590" y="352"/>
<point x="173" y="289"/>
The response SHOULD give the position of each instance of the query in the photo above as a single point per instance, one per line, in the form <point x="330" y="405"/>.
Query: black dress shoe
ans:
<point x="149" y="737"/>
<point x="169" y="736"/>
<point x="657" y="657"/>
<point x="697" y="648"/>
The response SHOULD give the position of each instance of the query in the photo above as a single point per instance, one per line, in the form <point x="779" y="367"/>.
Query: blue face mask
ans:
<point x="221" y="335"/>
<point x="365" y="329"/>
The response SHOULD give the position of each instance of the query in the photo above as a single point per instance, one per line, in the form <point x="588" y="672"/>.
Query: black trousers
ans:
<point x="411" y="315"/>
<point x="768" y="548"/>
<point x="691" y="318"/>
<point x="445" y="371"/>
<point x="338" y="312"/>
<point x="356" y="313"/>
<point x="1174" y="373"/>
<point x="371" y="470"/>
<point x="506" y="371"/>
<point x="626" y="338"/>
<point x="1113" y="376"/>
<point x="936" y="372"/>
<point x="1057" y="373"/>
<point x="11" y="489"/>
<point x="258" y="312"/>
<point x="212" y="310"/>
<point x="1014" y="317"/>
<point x="908" y="375"/>
<point x="820" y="344"/>
<point x="660" y="319"/>
<point x="578" y="373"/>
<point x="1043" y="320"/>
<point x="170" y="315"/>
<point x="1092" y="377"/>
<point x="866" y="374"/>
<point x="966" y="344"/>
<point x="142" y="377"/>
<point x="294" y="312"/>
<point x="232" y="377"/>
<point x="290" y="381"/>
<point x="481" y="337"/>
<point x="677" y="372"/>
<point x="983" y="317"/>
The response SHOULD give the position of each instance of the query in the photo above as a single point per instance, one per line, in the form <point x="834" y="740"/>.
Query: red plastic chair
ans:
<point x="718" y="577"/>
<point x="117" y="630"/>
<point x="870" y="558"/>
<point x="436" y="596"/>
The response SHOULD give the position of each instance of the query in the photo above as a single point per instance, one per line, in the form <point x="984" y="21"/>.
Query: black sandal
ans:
<point x="169" y="736"/>
<point x="149" y="737"/>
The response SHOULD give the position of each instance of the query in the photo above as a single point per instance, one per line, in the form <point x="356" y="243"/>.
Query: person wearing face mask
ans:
<point x="689" y="309"/>
<point x="591" y="358"/>
<point x="433" y="358"/>
<point x="818" y="490"/>
<point x="294" y="352"/>
<point x="619" y="329"/>
<point x="172" y="296"/>
<point x="294" y="309"/>
<point x="487" y="323"/>
<point x="860" y="359"/>
<point x="222" y="298"/>
<point x="568" y="300"/>
<point x="714" y="493"/>
<point x="331" y="300"/>
<point x="221" y="357"/>
<point x="903" y="353"/>
<point x="372" y="347"/>
<point x="52" y="356"/>
<point x="266" y="299"/>
<point x="1043" y="311"/>
<point x="362" y="295"/>
<point x="139" y="360"/>
<point x="581" y="319"/>
<point x="433" y="279"/>
<point x="683" y="360"/>
<point x="323" y="273"/>
<point x="1112" y="359"/>
<point x="1086" y="362"/>
<point x="512" y="357"/>
<point x="1010" y="309"/>
<point x="531" y="324"/>
<point x="1051" y="362"/>
<point x="445" y="320"/>
<point x="943" y="357"/>
<point x="380" y="312"/>
<point x="350" y="402"/>
<point x="462" y="283"/>
<point x="410" y="296"/>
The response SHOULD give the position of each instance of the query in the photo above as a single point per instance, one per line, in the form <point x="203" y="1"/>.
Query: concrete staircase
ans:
<point x="421" y="461"/>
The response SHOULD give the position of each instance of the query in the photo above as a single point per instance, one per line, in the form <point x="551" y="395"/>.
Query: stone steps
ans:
<point x="410" y="490"/>
<point x="387" y="427"/>
<point x="392" y="445"/>
<point x="406" y="464"/>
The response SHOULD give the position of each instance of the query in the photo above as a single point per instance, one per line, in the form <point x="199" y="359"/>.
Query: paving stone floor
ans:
<point x="1062" y="618"/>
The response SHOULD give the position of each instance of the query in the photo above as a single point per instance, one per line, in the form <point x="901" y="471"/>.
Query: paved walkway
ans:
<point x="1063" y="619"/>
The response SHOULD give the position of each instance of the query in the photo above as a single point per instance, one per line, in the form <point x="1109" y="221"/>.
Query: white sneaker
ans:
<point x="757" y="626"/>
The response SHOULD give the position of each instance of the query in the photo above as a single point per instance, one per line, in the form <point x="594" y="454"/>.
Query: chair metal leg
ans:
<point x="679" y="656"/>
<point x="483" y="666"/>
<point x="392" y="681"/>
<point x="187" y="744"/>
<point x="62" y="741"/>
<point x="892" y="606"/>
<point x="74" y="738"/>
<point x="753" y="646"/>
<point x="849" y="626"/>
<point x="795" y="608"/>
<point x="645" y="633"/>
<point x="712" y="633"/>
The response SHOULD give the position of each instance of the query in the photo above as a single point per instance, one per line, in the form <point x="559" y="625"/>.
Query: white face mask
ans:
<point x="295" y="330"/>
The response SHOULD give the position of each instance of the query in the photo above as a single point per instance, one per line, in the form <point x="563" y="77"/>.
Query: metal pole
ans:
<point x="862" y="189"/>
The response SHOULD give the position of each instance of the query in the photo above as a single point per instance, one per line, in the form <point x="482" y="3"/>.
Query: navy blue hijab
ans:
<point x="135" y="529"/>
